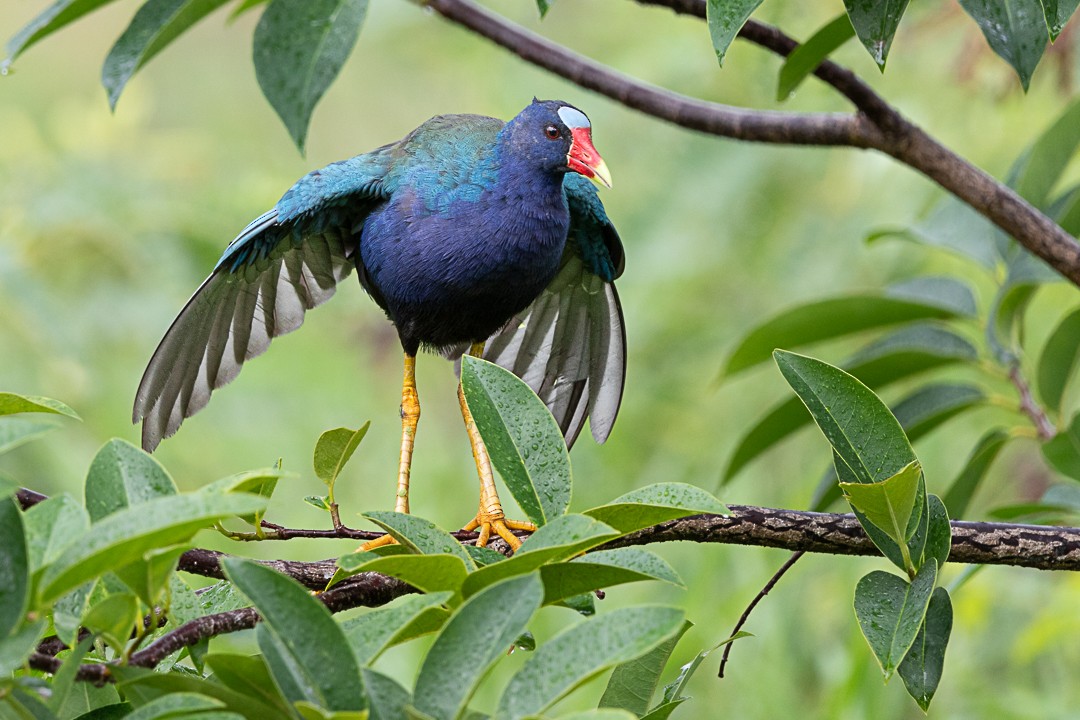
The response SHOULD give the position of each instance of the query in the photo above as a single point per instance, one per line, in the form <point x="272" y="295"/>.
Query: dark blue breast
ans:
<point x="455" y="271"/>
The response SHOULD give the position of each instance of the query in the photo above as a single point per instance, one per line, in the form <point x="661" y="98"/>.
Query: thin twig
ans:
<point x="1030" y="407"/>
<point x="753" y="604"/>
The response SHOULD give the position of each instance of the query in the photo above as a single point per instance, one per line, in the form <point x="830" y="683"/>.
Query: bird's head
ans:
<point x="557" y="137"/>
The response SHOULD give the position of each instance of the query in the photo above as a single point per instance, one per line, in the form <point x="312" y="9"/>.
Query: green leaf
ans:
<point x="1015" y="30"/>
<point x="902" y="556"/>
<point x="87" y="702"/>
<point x="600" y="714"/>
<point x="853" y="419"/>
<point x="388" y="699"/>
<point x="148" y="577"/>
<point x="404" y="619"/>
<point x="954" y="226"/>
<point x="1057" y="14"/>
<point x="300" y="631"/>
<point x="891" y="611"/>
<point x="725" y="19"/>
<point x="247" y="675"/>
<point x="967" y="482"/>
<point x="300" y="46"/>
<point x="876" y="23"/>
<point x="483" y="556"/>
<point x="543" y="6"/>
<point x="51" y="527"/>
<point x="939" y="531"/>
<point x="14" y="568"/>
<point x="633" y="683"/>
<point x="59" y="14"/>
<point x="921" y="667"/>
<point x="222" y="597"/>
<point x="17" y="431"/>
<point x="484" y="628"/>
<point x="911" y="350"/>
<point x="941" y="291"/>
<point x="604" y="569"/>
<point x="155" y="25"/>
<point x="673" y="690"/>
<point x="1058" y="360"/>
<point x="583" y="651"/>
<point x="654" y="504"/>
<point x="255" y="482"/>
<point x="122" y="476"/>
<point x="334" y="449"/>
<point x="561" y="539"/>
<point x="523" y="439"/>
<point x="10" y="403"/>
<point x="1025" y="274"/>
<point x="68" y="612"/>
<point x="140" y="686"/>
<point x="15" y="648"/>
<point x="114" y="619"/>
<point x="181" y="704"/>
<point x="420" y="535"/>
<point x="125" y="536"/>
<point x="64" y="680"/>
<point x="888" y="503"/>
<point x="429" y="573"/>
<point x="1063" y="452"/>
<point x="931" y="405"/>
<point x="1040" y="167"/>
<point x="840" y="316"/>
<point x="243" y="6"/>
<point x="664" y="710"/>
<point x="806" y="57"/>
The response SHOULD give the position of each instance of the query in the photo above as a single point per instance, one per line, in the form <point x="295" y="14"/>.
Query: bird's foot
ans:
<point x="489" y="524"/>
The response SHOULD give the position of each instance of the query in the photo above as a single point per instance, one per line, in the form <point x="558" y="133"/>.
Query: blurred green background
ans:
<point x="109" y="222"/>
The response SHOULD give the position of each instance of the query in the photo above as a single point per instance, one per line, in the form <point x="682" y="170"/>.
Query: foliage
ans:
<point x="925" y="329"/>
<point x="116" y="577"/>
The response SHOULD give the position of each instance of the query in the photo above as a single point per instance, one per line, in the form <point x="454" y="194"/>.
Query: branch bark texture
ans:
<point x="875" y="124"/>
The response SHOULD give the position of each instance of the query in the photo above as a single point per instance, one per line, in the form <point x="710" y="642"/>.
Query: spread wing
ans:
<point x="569" y="345"/>
<point x="284" y="263"/>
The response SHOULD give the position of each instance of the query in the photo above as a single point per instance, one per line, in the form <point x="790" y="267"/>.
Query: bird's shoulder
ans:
<point x="592" y="234"/>
<point x="446" y="153"/>
<point x="360" y="177"/>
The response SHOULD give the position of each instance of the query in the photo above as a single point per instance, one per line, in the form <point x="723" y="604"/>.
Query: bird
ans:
<point x="472" y="234"/>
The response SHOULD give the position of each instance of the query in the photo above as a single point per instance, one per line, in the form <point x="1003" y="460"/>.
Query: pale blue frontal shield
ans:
<point x="574" y="118"/>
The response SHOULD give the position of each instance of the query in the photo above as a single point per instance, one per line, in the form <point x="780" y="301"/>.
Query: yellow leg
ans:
<point x="490" y="517"/>
<point x="410" y="417"/>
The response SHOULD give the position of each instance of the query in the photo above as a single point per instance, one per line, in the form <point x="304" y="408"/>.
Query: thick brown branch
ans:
<point x="877" y="125"/>
<point x="773" y="39"/>
<point x="713" y="118"/>
<point x="1033" y="546"/>
<point x="978" y="543"/>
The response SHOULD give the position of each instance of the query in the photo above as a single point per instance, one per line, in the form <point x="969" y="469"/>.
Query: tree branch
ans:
<point x="363" y="590"/>
<point x="876" y="125"/>
<point x="984" y="543"/>
<point x="1043" y="547"/>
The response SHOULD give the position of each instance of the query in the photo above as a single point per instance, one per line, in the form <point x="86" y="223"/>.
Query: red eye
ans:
<point x="552" y="132"/>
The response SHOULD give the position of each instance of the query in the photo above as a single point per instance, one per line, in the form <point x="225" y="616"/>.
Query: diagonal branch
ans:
<point x="876" y="125"/>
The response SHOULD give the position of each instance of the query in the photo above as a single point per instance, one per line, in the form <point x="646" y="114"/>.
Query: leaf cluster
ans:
<point x="100" y="577"/>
